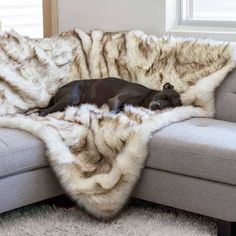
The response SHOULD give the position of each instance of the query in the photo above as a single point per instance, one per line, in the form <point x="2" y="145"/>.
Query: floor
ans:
<point x="138" y="218"/>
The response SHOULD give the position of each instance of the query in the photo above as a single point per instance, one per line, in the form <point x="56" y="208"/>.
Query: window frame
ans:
<point x="185" y="21"/>
<point x="50" y="17"/>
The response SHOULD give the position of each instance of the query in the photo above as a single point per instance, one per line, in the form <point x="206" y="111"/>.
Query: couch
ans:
<point x="191" y="166"/>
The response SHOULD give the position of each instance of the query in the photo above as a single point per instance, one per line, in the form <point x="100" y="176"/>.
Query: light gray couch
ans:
<point x="192" y="165"/>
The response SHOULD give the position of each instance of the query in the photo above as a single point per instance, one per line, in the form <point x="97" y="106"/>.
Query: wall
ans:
<point x="112" y="15"/>
<point x="118" y="15"/>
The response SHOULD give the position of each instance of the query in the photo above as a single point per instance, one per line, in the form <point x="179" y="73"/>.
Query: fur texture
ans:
<point x="97" y="155"/>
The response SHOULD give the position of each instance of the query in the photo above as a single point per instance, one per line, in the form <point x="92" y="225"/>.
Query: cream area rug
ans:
<point x="98" y="155"/>
<point x="139" y="218"/>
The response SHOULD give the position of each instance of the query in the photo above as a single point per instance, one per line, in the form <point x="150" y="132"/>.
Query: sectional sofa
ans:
<point x="192" y="165"/>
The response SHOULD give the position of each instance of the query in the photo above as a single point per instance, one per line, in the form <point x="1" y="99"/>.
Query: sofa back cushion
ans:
<point x="226" y="99"/>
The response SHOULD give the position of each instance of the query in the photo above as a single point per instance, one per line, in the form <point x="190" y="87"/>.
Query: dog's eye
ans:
<point x="164" y="97"/>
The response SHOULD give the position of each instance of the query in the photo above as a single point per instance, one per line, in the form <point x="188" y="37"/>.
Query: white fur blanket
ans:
<point x="97" y="155"/>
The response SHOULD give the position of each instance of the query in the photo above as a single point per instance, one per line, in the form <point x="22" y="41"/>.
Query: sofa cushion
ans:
<point x="226" y="98"/>
<point x="199" y="147"/>
<point x="20" y="151"/>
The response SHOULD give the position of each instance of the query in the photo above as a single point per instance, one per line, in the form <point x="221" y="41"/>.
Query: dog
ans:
<point x="112" y="91"/>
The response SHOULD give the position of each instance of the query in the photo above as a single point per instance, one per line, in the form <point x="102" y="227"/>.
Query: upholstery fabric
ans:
<point x="226" y="99"/>
<point x="197" y="195"/>
<point x="27" y="187"/>
<point x="20" y="151"/>
<point x="199" y="147"/>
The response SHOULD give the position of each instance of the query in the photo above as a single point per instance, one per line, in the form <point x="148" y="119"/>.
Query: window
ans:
<point x="34" y="18"/>
<point x="24" y="16"/>
<point x="218" y="13"/>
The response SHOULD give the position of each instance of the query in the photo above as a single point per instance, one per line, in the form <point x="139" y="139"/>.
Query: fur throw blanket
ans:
<point x="97" y="155"/>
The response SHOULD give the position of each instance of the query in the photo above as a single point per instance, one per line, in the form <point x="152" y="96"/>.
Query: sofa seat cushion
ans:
<point x="20" y="151"/>
<point x="199" y="147"/>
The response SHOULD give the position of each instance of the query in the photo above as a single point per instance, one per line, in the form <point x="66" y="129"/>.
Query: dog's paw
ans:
<point x="42" y="113"/>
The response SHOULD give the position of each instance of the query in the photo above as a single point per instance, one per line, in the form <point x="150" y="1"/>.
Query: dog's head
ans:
<point x="168" y="97"/>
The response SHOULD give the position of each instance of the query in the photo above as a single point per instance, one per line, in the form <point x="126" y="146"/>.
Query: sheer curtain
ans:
<point x="24" y="16"/>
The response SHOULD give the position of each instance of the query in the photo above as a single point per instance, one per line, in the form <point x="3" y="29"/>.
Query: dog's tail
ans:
<point x="37" y="109"/>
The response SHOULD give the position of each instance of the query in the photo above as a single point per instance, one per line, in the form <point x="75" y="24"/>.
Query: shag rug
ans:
<point x="98" y="156"/>
<point x="140" y="219"/>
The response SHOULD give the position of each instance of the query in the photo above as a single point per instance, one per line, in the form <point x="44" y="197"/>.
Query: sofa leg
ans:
<point x="225" y="228"/>
<point x="61" y="201"/>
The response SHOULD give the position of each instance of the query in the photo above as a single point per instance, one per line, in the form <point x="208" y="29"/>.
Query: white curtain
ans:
<point x="24" y="16"/>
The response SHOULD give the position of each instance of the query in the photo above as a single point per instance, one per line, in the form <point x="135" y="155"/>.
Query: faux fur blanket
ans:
<point x="97" y="155"/>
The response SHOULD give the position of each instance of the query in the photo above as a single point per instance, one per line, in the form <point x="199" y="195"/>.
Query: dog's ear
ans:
<point x="168" y="86"/>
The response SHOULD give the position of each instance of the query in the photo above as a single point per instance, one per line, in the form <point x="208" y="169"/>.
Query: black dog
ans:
<point x="114" y="92"/>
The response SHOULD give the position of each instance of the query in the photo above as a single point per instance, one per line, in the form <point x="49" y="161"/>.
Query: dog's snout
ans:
<point x="155" y="106"/>
<point x="158" y="105"/>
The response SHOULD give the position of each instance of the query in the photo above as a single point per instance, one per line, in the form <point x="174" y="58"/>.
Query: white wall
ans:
<point x="112" y="15"/>
<point x="119" y="15"/>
